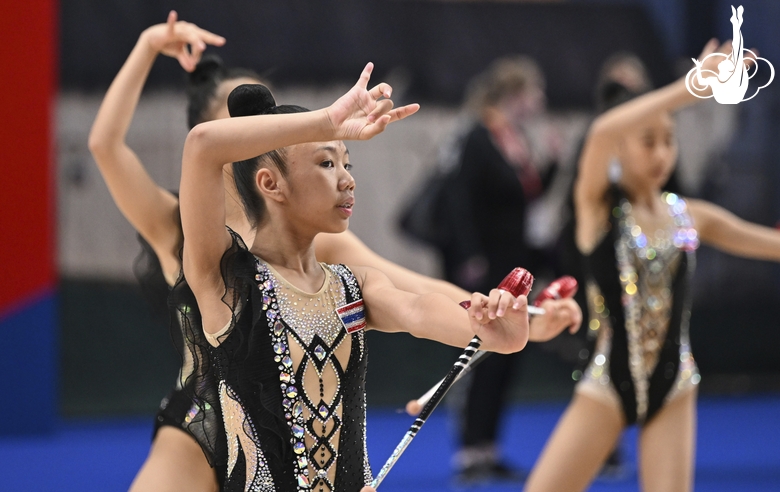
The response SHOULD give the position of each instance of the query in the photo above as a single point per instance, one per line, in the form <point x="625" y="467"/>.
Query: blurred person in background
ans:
<point x="638" y="245"/>
<point x="498" y="171"/>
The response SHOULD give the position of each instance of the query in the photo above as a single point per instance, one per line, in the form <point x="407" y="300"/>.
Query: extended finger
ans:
<point x="576" y="316"/>
<point x="495" y="296"/>
<point x="382" y="107"/>
<point x="381" y="90"/>
<point x="373" y="129"/>
<point x="506" y="300"/>
<point x="186" y="60"/>
<point x="197" y="45"/>
<point x="709" y="48"/>
<point x="478" y="301"/>
<point x="171" y="22"/>
<point x="365" y="76"/>
<point x="404" y="111"/>
<point x="209" y="37"/>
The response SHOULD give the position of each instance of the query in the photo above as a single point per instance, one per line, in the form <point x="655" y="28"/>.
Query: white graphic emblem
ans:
<point x="730" y="83"/>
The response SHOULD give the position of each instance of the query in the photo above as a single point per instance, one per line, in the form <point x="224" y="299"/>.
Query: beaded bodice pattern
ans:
<point x="320" y="387"/>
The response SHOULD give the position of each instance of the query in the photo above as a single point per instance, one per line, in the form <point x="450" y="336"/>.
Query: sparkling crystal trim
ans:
<point x="647" y="267"/>
<point x="240" y="429"/>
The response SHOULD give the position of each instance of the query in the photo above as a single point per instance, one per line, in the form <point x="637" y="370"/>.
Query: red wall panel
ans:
<point x="27" y="88"/>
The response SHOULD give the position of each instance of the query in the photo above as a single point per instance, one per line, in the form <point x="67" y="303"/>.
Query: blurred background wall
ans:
<point x="114" y="356"/>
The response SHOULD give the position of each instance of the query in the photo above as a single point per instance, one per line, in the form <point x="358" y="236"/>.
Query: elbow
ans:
<point x="196" y="136"/>
<point x="98" y="143"/>
<point x="600" y="127"/>
<point x="195" y="143"/>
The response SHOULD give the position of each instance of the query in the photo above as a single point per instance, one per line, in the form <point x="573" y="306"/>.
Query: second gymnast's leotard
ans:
<point x="639" y="301"/>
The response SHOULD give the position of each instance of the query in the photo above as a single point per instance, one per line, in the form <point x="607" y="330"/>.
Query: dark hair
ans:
<point x="251" y="100"/>
<point x="611" y="92"/>
<point x="202" y="84"/>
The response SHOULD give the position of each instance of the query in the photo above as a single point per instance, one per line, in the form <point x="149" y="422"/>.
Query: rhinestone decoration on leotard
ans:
<point x="647" y="267"/>
<point x="310" y="321"/>
<point x="291" y="402"/>
<point x="239" y="429"/>
<point x="600" y="328"/>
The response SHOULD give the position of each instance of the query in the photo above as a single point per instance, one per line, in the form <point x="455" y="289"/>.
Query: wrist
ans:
<point x="144" y="43"/>
<point x="326" y="128"/>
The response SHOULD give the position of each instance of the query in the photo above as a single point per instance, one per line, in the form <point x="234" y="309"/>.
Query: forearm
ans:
<point x="748" y="241"/>
<point x="436" y="317"/>
<point x="722" y="229"/>
<point x="625" y="117"/>
<point x="236" y="139"/>
<point x="116" y="111"/>
<point x="433" y="316"/>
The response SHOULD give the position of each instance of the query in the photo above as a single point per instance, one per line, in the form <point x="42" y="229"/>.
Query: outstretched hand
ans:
<point x="559" y="314"/>
<point x="181" y="40"/>
<point x="500" y="320"/>
<point x="361" y="114"/>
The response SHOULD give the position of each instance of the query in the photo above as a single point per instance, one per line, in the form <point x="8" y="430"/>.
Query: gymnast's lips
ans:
<point x="346" y="206"/>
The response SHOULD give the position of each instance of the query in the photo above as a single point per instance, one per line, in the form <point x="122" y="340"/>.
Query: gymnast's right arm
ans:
<point x="152" y="210"/>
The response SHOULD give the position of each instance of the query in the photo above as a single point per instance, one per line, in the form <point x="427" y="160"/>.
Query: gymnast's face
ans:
<point x="648" y="155"/>
<point x="317" y="193"/>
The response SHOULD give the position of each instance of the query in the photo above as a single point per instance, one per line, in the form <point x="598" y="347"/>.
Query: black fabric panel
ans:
<point x="601" y="266"/>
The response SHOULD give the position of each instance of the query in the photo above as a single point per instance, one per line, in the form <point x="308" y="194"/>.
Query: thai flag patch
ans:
<point x="352" y="316"/>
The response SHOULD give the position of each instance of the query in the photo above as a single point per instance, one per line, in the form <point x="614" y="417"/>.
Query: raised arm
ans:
<point x="152" y="210"/>
<point x="500" y="319"/>
<point x="358" y="115"/>
<point x="720" y="228"/>
<point x="606" y="132"/>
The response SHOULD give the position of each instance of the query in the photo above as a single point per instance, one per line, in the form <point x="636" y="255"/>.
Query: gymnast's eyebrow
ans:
<point x="333" y="149"/>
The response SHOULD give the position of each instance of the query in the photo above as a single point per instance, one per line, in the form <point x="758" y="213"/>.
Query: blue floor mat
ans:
<point x="738" y="450"/>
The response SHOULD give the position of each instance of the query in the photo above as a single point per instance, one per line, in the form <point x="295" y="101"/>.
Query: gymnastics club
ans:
<point x="559" y="289"/>
<point x="517" y="283"/>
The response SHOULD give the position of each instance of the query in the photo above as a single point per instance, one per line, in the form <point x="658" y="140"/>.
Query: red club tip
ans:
<point x="559" y="289"/>
<point x="518" y="282"/>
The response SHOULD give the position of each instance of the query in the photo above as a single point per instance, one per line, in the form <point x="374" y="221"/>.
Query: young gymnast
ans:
<point x="638" y="244"/>
<point x="285" y="332"/>
<point x="175" y="460"/>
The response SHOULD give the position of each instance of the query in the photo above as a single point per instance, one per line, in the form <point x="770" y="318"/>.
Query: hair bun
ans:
<point x="206" y="70"/>
<point x="250" y="100"/>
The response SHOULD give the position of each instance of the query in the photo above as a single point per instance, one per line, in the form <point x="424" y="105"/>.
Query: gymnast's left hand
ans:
<point x="500" y="320"/>
<point x="368" y="489"/>
<point x="361" y="113"/>
<point x="558" y="315"/>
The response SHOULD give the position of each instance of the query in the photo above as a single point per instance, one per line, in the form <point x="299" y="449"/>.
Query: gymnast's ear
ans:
<point x="271" y="184"/>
